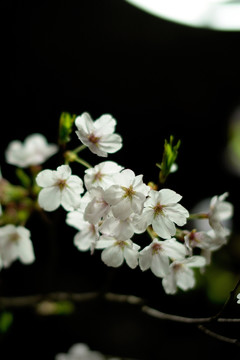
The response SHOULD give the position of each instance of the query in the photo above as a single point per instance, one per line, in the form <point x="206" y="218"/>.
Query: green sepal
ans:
<point x="170" y="154"/>
<point x="66" y="122"/>
<point x="23" y="177"/>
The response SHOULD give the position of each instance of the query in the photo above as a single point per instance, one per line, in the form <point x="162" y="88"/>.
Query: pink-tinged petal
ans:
<point x="160" y="265"/>
<point x="50" y="198"/>
<point x="46" y="178"/>
<point x="168" y="196"/>
<point x="131" y="257"/>
<point x="75" y="219"/>
<point x="112" y="256"/>
<point x="164" y="227"/>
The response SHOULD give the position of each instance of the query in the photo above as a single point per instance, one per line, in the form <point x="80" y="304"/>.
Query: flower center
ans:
<point x="121" y="243"/>
<point x="62" y="184"/>
<point x="14" y="237"/>
<point x="98" y="176"/>
<point x="156" y="248"/>
<point x="128" y="192"/>
<point x="158" y="209"/>
<point x="93" y="139"/>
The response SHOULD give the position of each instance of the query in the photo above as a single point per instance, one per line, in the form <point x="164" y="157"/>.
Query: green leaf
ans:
<point x="170" y="154"/>
<point x="66" y="122"/>
<point x="6" y="320"/>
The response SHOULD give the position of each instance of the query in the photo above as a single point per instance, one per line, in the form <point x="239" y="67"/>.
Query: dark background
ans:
<point x="156" y="78"/>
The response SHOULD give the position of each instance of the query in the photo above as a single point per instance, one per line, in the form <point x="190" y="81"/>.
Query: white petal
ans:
<point x="46" y="178"/>
<point x="105" y="124"/>
<point x="145" y="258"/>
<point x="169" y="283"/>
<point x="113" y="256"/>
<point x="26" y="252"/>
<point x="174" y="249"/>
<point x="63" y="172"/>
<point x="131" y="257"/>
<point x="84" y="123"/>
<point x="185" y="278"/>
<point x="160" y="265"/>
<point x="168" y="196"/>
<point x="69" y="199"/>
<point x="195" y="261"/>
<point x="177" y="213"/>
<point x="164" y="227"/>
<point x="50" y="198"/>
<point x="84" y="239"/>
<point x="110" y="143"/>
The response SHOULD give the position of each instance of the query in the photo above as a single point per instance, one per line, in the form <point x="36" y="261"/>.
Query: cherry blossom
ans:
<point x="101" y="175"/>
<point x="156" y="255"/>
<point x="204" y="240"/>
<point x="85" y="239"/>
<point x="15" y="243"/>
<point x="33" y="151"/>
<point x="181" y="274"/>
<point x="220" y="210"/>
<point x="127" y="195"/>
<point x="162" y="210"/>
<point x="115" y="251"/>
<point x="97" y="207"/>
<point x="60" y="187"/>
<point x="98" y="135"/>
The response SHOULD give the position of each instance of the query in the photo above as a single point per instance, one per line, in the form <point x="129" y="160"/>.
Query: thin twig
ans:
<point x="218" y="336"/>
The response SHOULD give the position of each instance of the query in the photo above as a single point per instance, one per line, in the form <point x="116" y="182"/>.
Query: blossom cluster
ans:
<point x="109" y="205"/>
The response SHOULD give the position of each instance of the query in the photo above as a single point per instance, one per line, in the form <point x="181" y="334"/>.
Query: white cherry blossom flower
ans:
<point x="128" y="194"/>
<point x="33" y="151"/>
<point x="162" y="211"/>
<point x="204" y="240"/>
<point x="115" y="251"/>
<point x="181" y="274"/>
<point x="88" y="234"/>
<point x="156" y="256"/>
<point x="60" y="187"/>
<point x="118" y="228"/>
<point x="98" y="135"/>
<point x="97" y="207"/>
<point x="101" y="175"/>
<point x="238" y="297"/>
<point x="15" y="244"/>
<point x="220" y="210"/>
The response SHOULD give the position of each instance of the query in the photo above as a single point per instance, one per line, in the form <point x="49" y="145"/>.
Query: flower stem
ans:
<point x="79" y="148"/>
<point x="198" y="216"/>
<point x="83" y="162"/>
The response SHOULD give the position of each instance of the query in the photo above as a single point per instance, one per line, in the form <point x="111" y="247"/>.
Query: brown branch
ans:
<point x="219" y="336"/>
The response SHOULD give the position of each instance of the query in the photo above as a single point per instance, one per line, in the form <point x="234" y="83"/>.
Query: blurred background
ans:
<point x="157" y="78"/>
